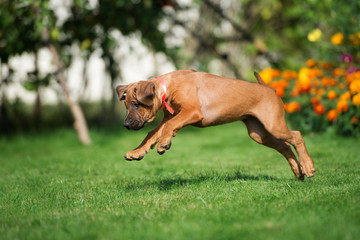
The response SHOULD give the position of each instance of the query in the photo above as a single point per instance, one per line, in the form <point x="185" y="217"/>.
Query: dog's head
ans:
<point x="141" y="103"/>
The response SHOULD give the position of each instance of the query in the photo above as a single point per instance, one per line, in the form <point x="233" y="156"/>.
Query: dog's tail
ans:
<point x="260" y="81"/>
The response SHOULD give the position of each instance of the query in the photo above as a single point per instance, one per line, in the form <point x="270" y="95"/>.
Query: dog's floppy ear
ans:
<point x="121" y="91"/>
<point x="145" y="93"/>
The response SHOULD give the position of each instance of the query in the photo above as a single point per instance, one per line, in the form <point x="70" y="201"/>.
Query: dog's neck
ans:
<point x="163" y="96"/>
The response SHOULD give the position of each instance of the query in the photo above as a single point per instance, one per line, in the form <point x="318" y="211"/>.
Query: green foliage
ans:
<point x="332" y="17"/>
<point x="205" y="187"/>
<point x="309" y="122"/>
<point x="20" y="117"/>
<point x="22" y="24"/>
<point x="35" y="81"/>
<point x="17" y="117"/>
<point x="285" y="25"/>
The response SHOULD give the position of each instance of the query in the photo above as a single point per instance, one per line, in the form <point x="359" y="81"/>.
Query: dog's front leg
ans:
<point x="184" y="118"/>
<point x="148" y="143"/>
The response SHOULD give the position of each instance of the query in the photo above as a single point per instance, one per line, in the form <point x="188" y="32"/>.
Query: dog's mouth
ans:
<point x="135" y="126"/>
<point x="141" y="126"/>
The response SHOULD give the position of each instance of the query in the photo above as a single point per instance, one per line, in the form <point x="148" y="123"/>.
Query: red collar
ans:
<point x="164" y="103"/>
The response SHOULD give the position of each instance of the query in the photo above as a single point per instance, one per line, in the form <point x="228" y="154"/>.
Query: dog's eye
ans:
<point x="123" y="97"/>
<point x="136" y="105"/>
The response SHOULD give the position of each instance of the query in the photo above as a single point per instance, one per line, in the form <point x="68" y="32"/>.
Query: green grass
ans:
<point x="214" y="183"/>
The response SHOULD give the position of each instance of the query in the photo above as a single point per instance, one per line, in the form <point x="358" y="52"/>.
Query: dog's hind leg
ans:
<point x="259" y="134"/>
<point x="306" y="163"/>
<point x="274" y="123"/>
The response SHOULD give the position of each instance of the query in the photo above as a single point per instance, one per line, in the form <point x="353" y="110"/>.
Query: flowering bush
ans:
<point x="322" y="95"/>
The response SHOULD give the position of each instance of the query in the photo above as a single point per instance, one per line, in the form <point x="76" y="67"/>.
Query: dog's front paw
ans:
<point x="163" y="146"/>
<point x="136" y="154"/>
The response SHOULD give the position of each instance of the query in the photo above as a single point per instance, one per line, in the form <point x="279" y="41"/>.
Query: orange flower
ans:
<point x="304" y="74"/>
<point x="275" y="73"/>
<point x="331" y="95"/>
<point x="342" y="106"/>
<point x="337" y="72"/>
<point x="356" y="99"/>
<point x="354" y="120"/>
<point x="345" y="96"/>
<point x="303" y="87"/>
<point x="304" y="81"/>
<point x="280" y="92"/>
<point x="315" y="100"/>
<point x="313" y="91"/>
<point x="352" y="77"/>
<point x="328" y="81"/>
<point x="315" y="72"/>
<point x="326" y="65"/>
<point x="294" y="93"/>
<point x="292" y="107"/>
<point x="268" y="74"/>
<point x="286" y="107"/>
<point x="280" y="87"/>
<point x="337" y="38"/>
<point x="310" y="63"/>
<point x="332" y="82"/>
<point x="355" y="86"/>
<point x="319" y="109"/>
<point x="288" y="74"/>
<point x="332" y="115"/>
<point x="283" y="83"/>
<point x="320" y="91"/>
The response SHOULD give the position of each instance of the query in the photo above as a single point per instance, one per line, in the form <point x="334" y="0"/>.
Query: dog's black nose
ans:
<point x="127" y="125"/>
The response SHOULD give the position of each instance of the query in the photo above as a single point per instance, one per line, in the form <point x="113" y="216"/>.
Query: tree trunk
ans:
<point x="4" y="116"/>
<point x="80" y="124"/>
<point x="37" y="111"/>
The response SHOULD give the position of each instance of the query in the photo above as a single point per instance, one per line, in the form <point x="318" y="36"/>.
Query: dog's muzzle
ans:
<point x="134" y="125"/>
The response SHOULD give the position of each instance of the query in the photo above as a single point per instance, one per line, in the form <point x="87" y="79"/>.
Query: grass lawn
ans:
<point x="214" y="183"/>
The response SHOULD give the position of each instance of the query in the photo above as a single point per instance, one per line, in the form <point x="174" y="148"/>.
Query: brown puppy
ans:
<point x="201" y="99"/>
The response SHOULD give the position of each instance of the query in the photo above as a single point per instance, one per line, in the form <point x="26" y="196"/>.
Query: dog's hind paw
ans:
<point x="308" y="168"/>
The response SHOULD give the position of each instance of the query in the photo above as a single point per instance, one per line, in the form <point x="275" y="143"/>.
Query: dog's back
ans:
<point x="224" y="100"/>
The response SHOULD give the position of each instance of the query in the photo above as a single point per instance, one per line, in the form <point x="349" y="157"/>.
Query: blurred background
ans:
<point x="60" y="59"/>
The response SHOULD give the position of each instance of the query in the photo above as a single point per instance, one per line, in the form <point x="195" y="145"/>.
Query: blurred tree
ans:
<point x="329" y="17"/>
<point x="28" y="25"/>
<point x="25" y="28"/>
<point x="246" y="35"/>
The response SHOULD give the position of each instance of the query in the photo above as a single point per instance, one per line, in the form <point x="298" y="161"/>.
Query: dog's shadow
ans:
<point x="172" y="182"/>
